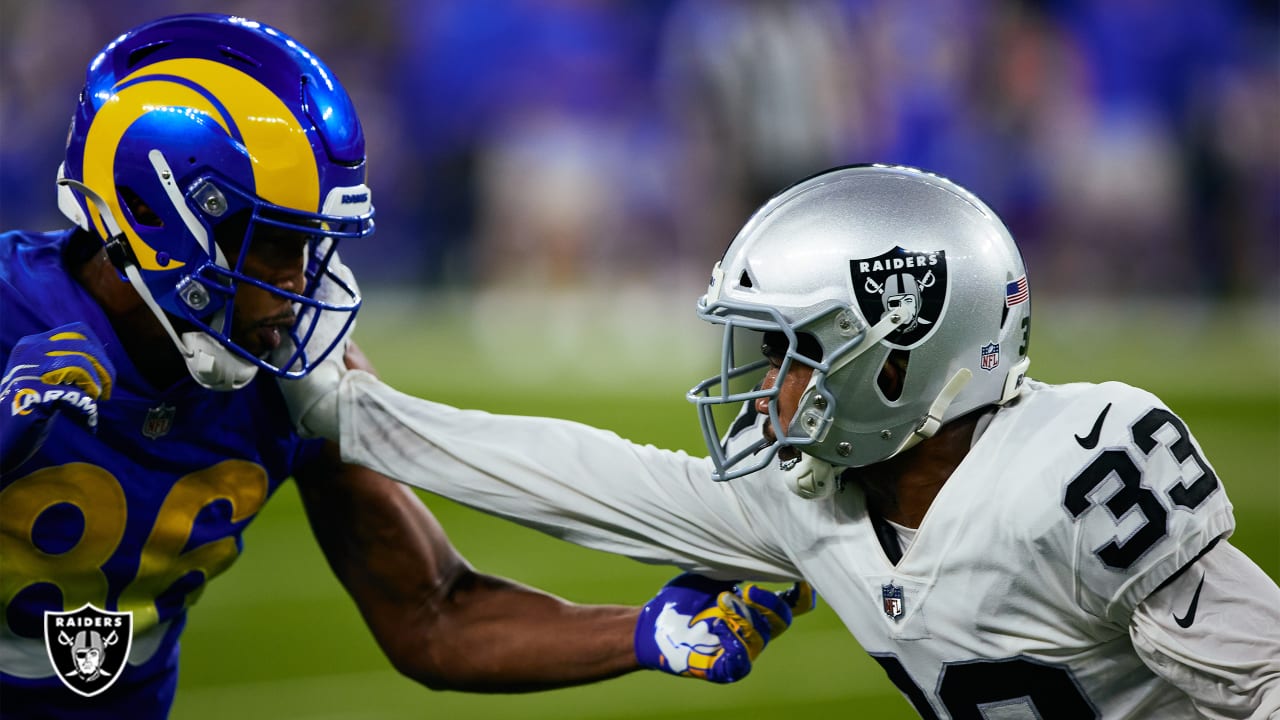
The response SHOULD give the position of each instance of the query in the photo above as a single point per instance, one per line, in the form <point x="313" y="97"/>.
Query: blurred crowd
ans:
<point x="1133" y="146"/>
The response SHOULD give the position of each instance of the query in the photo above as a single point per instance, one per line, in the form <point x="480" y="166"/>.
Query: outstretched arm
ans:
<point x="439" y="621"/>
<point x="578" y="483"/>
<point x="447" y="626"/>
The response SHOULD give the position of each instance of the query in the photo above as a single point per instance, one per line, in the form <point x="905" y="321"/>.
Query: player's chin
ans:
<point x="768" y="433"/>
<point x="788" y="453"/>
<point x="261" y="340"/>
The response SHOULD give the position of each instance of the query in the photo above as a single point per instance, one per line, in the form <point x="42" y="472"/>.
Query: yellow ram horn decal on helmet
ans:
<point x="282" y="160"/>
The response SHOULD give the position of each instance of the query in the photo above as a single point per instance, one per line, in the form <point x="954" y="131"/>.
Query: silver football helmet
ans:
<point x="870" y="261"/>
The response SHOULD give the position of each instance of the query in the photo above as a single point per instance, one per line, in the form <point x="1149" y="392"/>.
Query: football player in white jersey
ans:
<point x="1002" y="547"/>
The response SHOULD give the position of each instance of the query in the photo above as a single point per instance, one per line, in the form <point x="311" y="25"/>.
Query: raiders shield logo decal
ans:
<point x="88" y="647"/>
<point x="909" y="281"/>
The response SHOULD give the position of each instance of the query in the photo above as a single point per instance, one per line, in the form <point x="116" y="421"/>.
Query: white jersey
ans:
<point x="1017" y="595"/>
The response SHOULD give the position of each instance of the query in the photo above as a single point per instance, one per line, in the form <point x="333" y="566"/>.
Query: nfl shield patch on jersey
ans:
<point x="158" y="422"/>
<point x="88" y="647"/>
<point x="893" y="601"/>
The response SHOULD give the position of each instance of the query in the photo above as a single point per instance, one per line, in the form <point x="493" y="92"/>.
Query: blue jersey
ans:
<point x="136" y="517"/>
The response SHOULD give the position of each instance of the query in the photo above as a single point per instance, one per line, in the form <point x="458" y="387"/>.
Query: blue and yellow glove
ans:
<point x="714" y="630"/>
<point x="64" y="369"/>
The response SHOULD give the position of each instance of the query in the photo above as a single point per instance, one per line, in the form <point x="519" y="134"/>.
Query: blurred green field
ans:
<point x="277" y="637"/>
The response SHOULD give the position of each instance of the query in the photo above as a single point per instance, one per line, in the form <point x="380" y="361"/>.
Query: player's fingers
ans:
<point x="701" y="664"/>
<point x="768" y="605"/>
<point x="76" y="343"/>
<point x="81" y="369"/>
<point x="738" y="617"/>
<point x="732" y="661"/>
<point x="801" y="598"/>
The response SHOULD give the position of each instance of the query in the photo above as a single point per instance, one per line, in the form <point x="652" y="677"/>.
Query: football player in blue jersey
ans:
<point x="212" y="169"/>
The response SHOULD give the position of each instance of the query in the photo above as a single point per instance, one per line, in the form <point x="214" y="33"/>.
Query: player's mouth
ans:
<point x="786" y="453"/>
<point x="266" y="335"/>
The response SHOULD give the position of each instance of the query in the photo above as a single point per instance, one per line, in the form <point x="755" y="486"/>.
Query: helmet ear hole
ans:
<point x="230" y="234"/>
<point x="893" y="374"/>
<point x="138" y="210"/>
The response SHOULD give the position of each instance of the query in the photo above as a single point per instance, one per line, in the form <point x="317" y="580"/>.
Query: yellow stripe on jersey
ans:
<point x="97" y="388"/>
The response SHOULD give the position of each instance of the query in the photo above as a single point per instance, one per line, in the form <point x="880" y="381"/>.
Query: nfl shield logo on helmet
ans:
<point x="893" y="602"/>
<point x="911" y="282"/>
<point x="88" y="647"/>
<point x="990" y="357"/>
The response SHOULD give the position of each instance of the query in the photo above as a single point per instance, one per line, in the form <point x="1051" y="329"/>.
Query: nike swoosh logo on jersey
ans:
<point x="1186" y="620"/>
<point x="1090" y="441"/>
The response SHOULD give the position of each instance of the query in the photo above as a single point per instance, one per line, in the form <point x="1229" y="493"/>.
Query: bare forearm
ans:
<point x="488" y="634"/>
<point x="440" y="622"/>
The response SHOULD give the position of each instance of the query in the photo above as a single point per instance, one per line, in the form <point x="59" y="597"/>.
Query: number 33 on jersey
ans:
<point x="1074" y="506"/>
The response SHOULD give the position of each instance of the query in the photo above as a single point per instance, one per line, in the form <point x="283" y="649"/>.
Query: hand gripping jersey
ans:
<point x="136" y="518"/>
<point x="1015" y="599"/>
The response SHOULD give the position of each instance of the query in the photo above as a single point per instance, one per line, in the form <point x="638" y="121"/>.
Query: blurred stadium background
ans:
<point x="554" y="178"/>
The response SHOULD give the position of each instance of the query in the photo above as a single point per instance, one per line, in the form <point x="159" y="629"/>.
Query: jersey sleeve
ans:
<point x="1141" y="504"/>
<point x="1214" y="633"/>
<point x="578" y="483"/>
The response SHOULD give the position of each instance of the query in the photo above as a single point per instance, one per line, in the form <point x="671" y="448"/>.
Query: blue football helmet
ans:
<point x="194" y="135"/>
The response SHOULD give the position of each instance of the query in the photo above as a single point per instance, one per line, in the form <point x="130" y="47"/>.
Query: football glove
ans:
<point x="714" y="630"/>
<point x="63" y="370"/>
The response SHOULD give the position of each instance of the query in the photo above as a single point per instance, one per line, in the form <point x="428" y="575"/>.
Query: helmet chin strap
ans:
<point x="209" y="362"/>
<point x="932" y="421"/>
<point x="67" y="201"/>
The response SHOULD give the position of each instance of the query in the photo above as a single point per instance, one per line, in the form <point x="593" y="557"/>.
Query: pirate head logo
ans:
<point x="910" y="282"/>
<point x="88" y="647"/>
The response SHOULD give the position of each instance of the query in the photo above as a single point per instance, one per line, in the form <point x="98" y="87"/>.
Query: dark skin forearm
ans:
<point x="439" y="621"/>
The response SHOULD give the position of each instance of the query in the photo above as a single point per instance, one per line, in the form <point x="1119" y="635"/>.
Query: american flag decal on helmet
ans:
<point x="1016" y="292"/>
